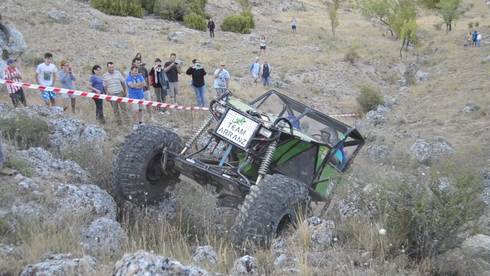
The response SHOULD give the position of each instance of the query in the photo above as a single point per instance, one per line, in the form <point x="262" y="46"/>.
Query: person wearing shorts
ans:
<point x="172" y="70"/>
<point x="136" y="83"/>
<point x="263" y="44"/>
<point x="46" y="76"/>
<point x="293" y="24"/>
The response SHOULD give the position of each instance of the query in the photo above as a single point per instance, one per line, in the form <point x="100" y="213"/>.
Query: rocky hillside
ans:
<point x="416" y="201"/>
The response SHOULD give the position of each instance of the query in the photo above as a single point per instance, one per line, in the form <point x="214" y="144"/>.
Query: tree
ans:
<point x="333" y="14"/>
<point x="448" y="10"/>
<point x="404" y="24"/>
<point x="382" y="10"/>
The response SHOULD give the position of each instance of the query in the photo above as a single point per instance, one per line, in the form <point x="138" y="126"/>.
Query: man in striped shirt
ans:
<point x="16" y="93"/>
<point x="115" y="85"/>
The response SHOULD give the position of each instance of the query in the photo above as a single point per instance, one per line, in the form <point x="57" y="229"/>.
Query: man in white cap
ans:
<point x="221" y="80"/>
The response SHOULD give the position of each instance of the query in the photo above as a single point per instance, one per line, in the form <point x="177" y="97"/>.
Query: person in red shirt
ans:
<point x="12" y="73"/>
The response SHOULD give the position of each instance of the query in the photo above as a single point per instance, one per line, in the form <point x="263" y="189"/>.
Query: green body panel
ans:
<point x="282" y="154"/>
<point x="327" y="173"/>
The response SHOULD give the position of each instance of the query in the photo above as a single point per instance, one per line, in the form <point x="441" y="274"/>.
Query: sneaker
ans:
<point x="135" y="126"/>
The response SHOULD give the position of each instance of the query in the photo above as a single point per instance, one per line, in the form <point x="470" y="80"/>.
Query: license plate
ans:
<point x="237" y="128"/>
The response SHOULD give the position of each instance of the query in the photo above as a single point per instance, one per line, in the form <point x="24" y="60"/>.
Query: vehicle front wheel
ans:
<point x="138" y="174"/>
<point x="270" y="205"/>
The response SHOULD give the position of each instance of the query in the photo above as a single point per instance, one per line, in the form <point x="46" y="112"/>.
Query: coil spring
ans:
<point x="199" y="132"/>
<point x="264" y="167"/>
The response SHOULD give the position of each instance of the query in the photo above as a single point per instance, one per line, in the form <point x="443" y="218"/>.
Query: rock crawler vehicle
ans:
<point x="267" y="160"/>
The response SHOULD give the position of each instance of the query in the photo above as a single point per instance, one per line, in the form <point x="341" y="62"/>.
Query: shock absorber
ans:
<point x="264" y="167"/>
<point x="197" y="134"/>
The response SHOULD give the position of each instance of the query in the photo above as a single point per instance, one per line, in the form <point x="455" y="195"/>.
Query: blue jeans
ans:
<point x="201" y="100"/>
<point x="265" y="81"/>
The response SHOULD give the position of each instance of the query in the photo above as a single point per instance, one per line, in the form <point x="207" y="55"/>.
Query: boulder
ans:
<point x="176" y="37"/>
<point x="421" y="76"/>
<point x="245" y="265"/>
<point x="85" y="201"/>
<point x="421" y="150"/>
<point x="45" y="165"/>
<point x="62" y="265"/>
<point x="11" y="40"/>
<point x="58" y="16"/>
<point x="103" y="237"/>
<point x="9" y="255"/>
<point x="321" y="233"/>
<point x="98" y="25"/>
<point x="470" y="107"/>
<point x="378" y="153"/>
<point x="472" y="257"/>
<point x="205" y="255"/>
<point x="144" y="263"/>
<point x="424" y="151"/>
<point x="377" y="117"/>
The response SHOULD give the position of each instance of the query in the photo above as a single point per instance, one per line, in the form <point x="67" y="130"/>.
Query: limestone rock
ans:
<point x="103" y="237"/>
<point x="205" y="255"/>
<point x="245" y="265"/>
<point x="62" y="265"/>
<point x="378" y="153"/>
<point x="11" y="40"/>
<point x="45" y="165"/>
<point x="83" y="201"/>
<point x="58" y="16"/>
<point x="144" y="263"/>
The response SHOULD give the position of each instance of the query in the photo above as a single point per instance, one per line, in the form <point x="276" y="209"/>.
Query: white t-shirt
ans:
<point x="220" y="81"/>
<point x="45" y="74"/>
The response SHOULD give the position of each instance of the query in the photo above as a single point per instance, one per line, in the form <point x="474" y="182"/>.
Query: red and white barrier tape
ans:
<point x="345" y="115"/>
<point x="122" y="99"/>
<point x="101" y="96"/>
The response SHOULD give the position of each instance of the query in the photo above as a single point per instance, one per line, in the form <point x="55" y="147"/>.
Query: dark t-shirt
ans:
<point x="197" y="76"/>
<point x="173" y="73"/>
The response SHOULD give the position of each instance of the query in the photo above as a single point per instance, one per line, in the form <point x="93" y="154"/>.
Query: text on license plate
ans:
<point x="237" y="128"/>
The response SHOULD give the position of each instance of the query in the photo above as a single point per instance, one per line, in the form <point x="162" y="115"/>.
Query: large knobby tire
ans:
<point x="270" y="205"/>
<point x="138" y="175"/>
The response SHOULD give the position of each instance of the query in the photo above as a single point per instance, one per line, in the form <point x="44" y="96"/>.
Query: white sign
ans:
<point x="237" y="128"/>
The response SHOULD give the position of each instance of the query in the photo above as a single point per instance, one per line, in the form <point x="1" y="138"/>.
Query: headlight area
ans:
<point x="267" y="133"/>
<point x="217" y="110"/>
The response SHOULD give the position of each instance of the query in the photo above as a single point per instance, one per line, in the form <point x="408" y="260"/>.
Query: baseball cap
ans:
<point x="10" y="61"/>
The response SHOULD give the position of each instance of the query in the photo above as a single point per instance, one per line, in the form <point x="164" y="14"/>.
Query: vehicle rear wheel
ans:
<point x="138" y="174"/>
<point x="268" y="207"/>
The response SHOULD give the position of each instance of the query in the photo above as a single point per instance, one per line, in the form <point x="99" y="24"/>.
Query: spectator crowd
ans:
<point x="162" y="78"/>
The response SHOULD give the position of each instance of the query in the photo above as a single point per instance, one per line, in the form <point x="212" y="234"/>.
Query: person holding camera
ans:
<point x="197" y="72"/>
<point x="172" y="70"/>
<point x="158" y="79"/>
<point x="67" y="80"/>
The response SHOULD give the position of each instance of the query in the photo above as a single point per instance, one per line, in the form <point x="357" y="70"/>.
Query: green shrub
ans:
<point x="25" y="132"/>
<point x="352" y="55"/>
<point x="470" y="25"/>
<point x="171" y="9"/>
<point x="119" y="7"/>
<point x="239" y="23"/>
<point x="369" y="98"/>
<point x="195" y="21"/>
<point x="20" y="165"/>
<point x="425" y="217"/>
<point x="177" y="9"/>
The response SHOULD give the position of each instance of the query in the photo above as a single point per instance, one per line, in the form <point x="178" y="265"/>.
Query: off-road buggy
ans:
<point x="267" y="160"/>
